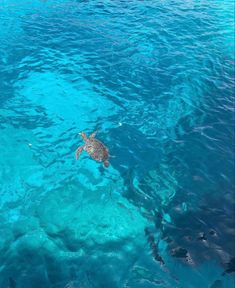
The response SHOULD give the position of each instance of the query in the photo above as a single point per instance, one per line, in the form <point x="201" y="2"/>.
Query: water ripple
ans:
<point x="156" y="80"/>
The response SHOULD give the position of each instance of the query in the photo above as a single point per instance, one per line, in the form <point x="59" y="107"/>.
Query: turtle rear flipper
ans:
<point x="106" y="164"/>
<point x="79" y="151"/>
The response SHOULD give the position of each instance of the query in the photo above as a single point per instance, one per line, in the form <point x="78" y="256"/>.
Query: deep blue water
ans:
<point x="156" y="79"/>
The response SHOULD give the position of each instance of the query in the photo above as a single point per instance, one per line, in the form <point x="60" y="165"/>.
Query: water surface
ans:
<point x="156" y="80"/>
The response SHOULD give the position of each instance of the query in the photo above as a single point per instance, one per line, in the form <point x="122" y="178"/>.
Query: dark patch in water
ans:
<point x="12" y="283"/>
<point x="206" y="232"/>
<point x="153" y="246"/>
<point x="217" y="284"/>
<point x="212" y="233"/>
<point x="179" y="252"/>
<point x="202" y="237"/>
<point x="230" y="266"/>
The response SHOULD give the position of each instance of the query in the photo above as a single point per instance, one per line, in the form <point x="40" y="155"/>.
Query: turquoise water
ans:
<point x="156" y="79"/>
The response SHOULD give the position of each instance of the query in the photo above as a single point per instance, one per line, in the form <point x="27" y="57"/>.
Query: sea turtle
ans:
<point x="96" y="149"/>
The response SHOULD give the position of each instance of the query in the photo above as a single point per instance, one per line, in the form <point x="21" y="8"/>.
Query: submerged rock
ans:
<point x="66" y="231"/>
<point x="89" y="223"/>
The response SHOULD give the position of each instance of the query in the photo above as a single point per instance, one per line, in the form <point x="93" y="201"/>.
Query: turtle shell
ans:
<point x="97" y="150"/>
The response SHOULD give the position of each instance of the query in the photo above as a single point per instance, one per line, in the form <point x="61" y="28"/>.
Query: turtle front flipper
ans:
<point x="92" y="136"/>
<point x="79" y="151"/>
<point x="83" y="135"/>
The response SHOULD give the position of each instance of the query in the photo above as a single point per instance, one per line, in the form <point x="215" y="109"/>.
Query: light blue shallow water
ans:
<point x="156" y="79"/>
